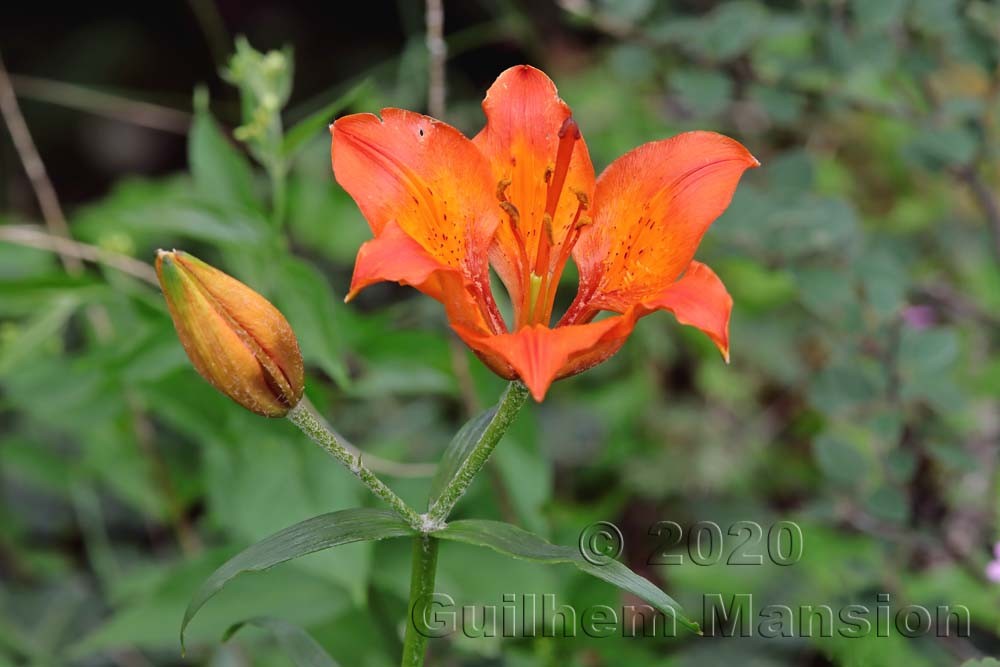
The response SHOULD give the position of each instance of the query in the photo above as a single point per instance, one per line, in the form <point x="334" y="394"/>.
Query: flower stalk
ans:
<point x="422" y="576"/>
<point x="304" y="417"/>
<point x="510" y="404"/>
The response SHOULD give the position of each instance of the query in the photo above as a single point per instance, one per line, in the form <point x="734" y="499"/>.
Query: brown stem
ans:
<point x="437" y="50"/>
<point x="48" y="201"/>
<point x="33" y="237"/>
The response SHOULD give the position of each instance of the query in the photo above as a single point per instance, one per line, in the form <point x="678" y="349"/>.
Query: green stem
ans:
<point x="425" y="550"/>
<point x="279" y="189"/>
<point x="510" y="403"/>
<point x="301" y="415"/>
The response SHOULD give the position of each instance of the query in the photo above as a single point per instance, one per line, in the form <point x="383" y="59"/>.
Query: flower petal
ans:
<point x="427" y="193"/>
<point x="394" y="256"/>
<point x="652" y="207"/>
<point x="524" y="116"/>
<point x="425" y="175"/>
<point x="539" y="355"/>
<point x="698" y="299"/>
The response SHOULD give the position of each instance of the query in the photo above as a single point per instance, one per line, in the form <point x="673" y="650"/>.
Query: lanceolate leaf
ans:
<point x="459" y="449"/>
<point x="295" y="642"/>
<point x="221" y="173"/>
<point x="519" y="543"/>
<point x="309" y="536"/>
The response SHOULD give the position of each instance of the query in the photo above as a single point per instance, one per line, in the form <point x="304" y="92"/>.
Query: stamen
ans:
<point x="545" y="243"/>
<point x="568" y="135"/>
<point x="566" y="249"/>
<point x="502" y="189"/>
<point x="514" y="222"/>
<point x="513" y="215"/>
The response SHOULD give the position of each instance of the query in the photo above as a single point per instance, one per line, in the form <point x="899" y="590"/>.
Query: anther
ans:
<point x="511" y="210"/>
<point x="502" y="189"/>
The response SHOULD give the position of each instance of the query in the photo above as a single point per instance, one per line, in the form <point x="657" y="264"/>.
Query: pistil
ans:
<point x="540" y="276"/>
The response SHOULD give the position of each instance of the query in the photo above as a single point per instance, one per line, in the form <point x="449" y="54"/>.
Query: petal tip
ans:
<point x="537" y="389"/>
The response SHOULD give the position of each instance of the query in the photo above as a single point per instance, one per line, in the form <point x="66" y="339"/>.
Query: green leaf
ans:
<point x="27" y="296"/>
<point x="704" y="91"/>
<point x="840" y="459"/>
<point x="519" y="543"/>
<point x="221" y="173"/>
<point x="296" y="642"/>
<point x="300" y="134"/>
<point x="306" y="537"/>
<point x="307" y="301"/>
<point x="459" y="449"/>
<point x="48" y="321"/>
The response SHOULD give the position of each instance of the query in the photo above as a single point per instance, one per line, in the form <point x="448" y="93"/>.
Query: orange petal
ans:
<point x="425" y="175"/>
<point x="427" y="193"/>
<point x="524" y="115"/>
<point x="652" y="207"/>
<point x="394" y="256"/>
<point x="539" y="355"/>
<point x="698" y="299"/>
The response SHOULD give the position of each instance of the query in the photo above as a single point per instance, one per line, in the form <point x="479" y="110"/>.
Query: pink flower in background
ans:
<point x="993" y="567"/>
<point x="919" y="317"/>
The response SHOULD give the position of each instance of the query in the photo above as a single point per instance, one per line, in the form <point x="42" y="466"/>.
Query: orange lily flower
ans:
<point x="521" y="197"/>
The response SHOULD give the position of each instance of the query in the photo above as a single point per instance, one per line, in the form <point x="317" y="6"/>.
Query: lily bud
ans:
<point x="235" y="338"/>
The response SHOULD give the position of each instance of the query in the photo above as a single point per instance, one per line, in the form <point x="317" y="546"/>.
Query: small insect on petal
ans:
<point x="235" y="338"/>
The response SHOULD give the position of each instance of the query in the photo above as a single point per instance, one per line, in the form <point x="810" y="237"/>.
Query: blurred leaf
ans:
<point x="781" y="106"/>
<point x="29" y="295"/>
<point x="842" y="387"/>
<point x="148" y="617"/>
<point x="305" y="298"/>
<point x="824" y="292"/>
<point x="49" y="321"/>
<point x="258" y="484"/>
<point x="876" y="16"/>
<point x="840" y="460"/>
<point x="221" y="173"/>
<point x="704" y="92"/>
<point x="889" y="503"/>
<point x="303" y="650"/>
<point x="926" y="361"/>
<point x="458" y="450"/>
<point x="302" y="132"/>
<point x="627" y="10"/>
<point x="519" y="543"/>
<point x="306" y="537"/>
<point x="156" y="213"/>
<point x="884" y="280"/>
<point x="526" y="477"/>
<point x="939" y="148"/>
<point x="730" y="29"/>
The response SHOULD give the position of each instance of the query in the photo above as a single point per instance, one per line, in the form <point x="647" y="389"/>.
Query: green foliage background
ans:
<point x="861" y="402"/>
